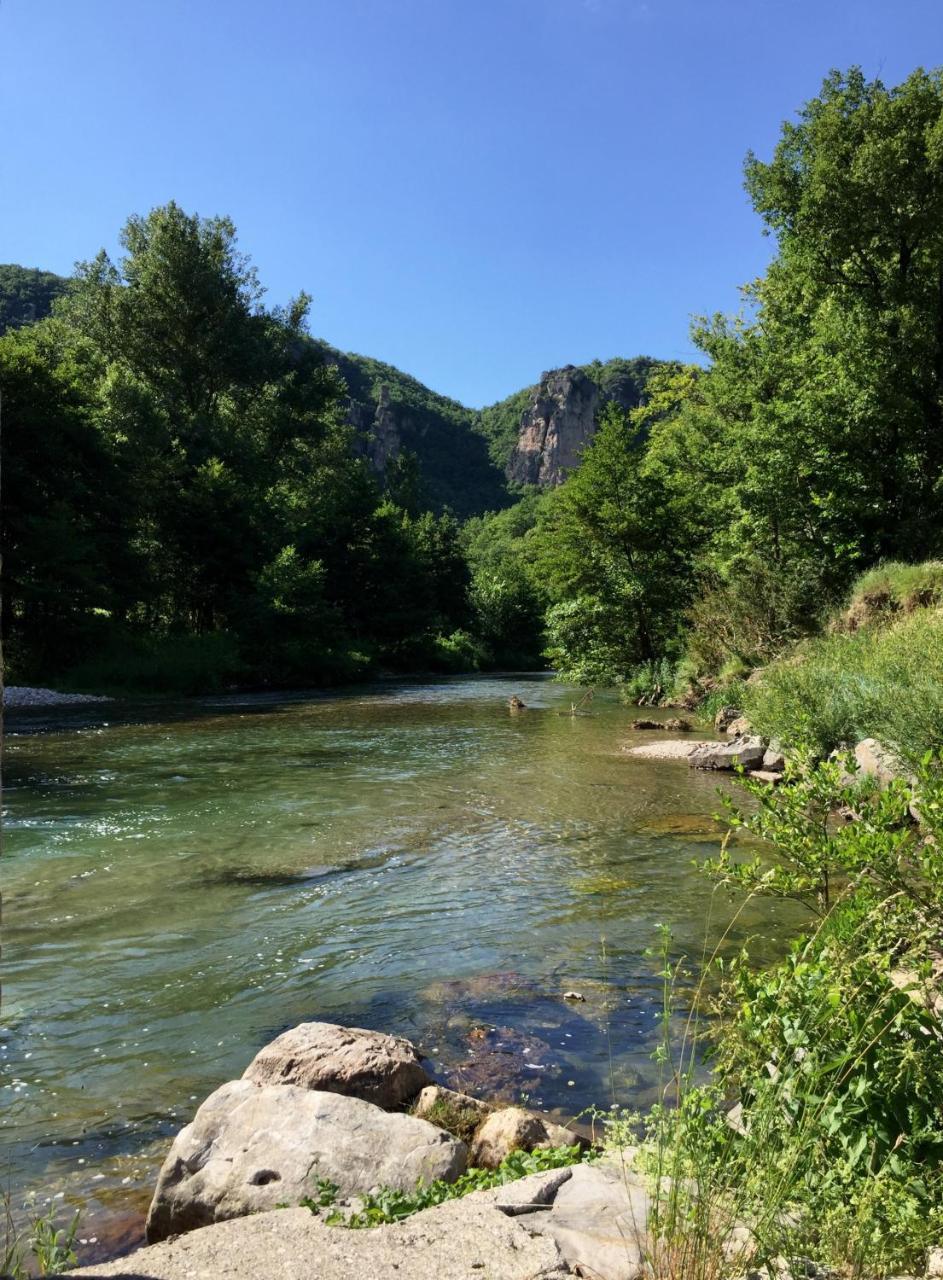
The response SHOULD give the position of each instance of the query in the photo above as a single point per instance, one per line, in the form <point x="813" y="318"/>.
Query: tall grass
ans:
<point x="876" y="682"/>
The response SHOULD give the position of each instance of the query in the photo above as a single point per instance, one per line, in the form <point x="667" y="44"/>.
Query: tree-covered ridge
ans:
<point x="27" y="294"/>
<point x="455" y="470"/>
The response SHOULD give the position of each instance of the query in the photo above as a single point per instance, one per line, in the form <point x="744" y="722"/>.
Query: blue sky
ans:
<point x="473" y="190"/>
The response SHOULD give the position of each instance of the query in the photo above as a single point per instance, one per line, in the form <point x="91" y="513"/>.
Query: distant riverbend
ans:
<point x="181" y="884"/>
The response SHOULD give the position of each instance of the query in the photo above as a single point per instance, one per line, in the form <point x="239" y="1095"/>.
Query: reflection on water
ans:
<point x="411" y="858"/>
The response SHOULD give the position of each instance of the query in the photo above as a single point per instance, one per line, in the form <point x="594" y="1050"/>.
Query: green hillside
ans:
<point x="26" y="294"/>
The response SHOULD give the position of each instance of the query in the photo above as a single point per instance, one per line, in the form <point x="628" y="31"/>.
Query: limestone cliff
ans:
<point x="559" y="419"/>
<point x="378" y="437"/>
<point x="554" y="427"/>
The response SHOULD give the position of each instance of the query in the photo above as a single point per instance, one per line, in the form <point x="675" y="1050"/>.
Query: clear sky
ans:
<point x="473" y="190"/>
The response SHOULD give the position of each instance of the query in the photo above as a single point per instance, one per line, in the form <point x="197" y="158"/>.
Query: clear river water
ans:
<point x="181" y="883"/>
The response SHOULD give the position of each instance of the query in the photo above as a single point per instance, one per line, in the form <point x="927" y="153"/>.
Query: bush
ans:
<point x="836" y="1154"/>
<point x="876" y="682"/>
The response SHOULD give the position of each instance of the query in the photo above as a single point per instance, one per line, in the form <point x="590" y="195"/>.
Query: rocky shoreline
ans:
<point x="325" y="1119"/>
<point x="337" y="1113"/>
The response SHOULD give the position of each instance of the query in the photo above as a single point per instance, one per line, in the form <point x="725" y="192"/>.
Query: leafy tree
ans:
<point x="617" y="555"/>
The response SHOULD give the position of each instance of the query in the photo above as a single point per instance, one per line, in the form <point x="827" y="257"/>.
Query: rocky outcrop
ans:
<point x="253" y="1147"/>
<point x="378" y="436"/>
<point x="384" y="1070"/>
<point x="555" y="427"/>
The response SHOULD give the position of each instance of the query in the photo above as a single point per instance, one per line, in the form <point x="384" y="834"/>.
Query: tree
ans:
<point x="617" y="554"/>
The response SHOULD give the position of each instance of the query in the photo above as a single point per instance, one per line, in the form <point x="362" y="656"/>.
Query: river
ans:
<point x="181" y="883"/>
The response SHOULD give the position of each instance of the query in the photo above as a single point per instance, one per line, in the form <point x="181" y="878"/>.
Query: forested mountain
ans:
<point x="26" y="294"/>
<point x="464" y="459"/>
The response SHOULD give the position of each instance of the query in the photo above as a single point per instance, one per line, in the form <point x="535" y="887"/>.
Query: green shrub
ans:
<point x="877" y="682"/>
<point x="833" y="1054"/>
<point x="889" y="589"/>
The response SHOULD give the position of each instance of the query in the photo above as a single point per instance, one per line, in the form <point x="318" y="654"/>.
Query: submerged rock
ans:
<point x="500" y="1062"/>
<point x="253" y="1147"/>
<point x="381" y="1069"/>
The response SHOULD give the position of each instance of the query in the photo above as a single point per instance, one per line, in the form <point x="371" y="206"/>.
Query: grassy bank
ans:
<point x="834" y="1154"/>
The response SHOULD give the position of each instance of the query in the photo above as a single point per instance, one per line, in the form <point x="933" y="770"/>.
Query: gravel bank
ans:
<point x="20" y="695"/>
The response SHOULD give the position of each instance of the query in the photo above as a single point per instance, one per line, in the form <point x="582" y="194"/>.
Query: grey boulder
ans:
<point x="385" y="1070"/>
<point x="748" y="752"/>
<point x="251" y="1148"/>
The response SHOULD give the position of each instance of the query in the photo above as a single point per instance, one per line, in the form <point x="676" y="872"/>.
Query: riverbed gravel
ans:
<point x="20" y="695"/>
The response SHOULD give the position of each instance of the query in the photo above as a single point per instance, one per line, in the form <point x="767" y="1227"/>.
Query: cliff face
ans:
<point x="378" y="437"/>
<point x="554" y="427"/>
<point x="560" y="417"/>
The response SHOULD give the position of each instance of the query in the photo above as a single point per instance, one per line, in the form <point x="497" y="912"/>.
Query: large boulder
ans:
<point x="515" y="1129"/>
<point x="747" y="752"/>
<point x="253" y="1147"/>
<point x="363" y="1064"/>
<point x="876" y="761"/>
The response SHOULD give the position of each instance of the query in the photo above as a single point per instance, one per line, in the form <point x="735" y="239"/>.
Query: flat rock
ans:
<point x="669" y="748"/>
<point x="747" y="752"/>
<point x="532" y="1194"/>
<point x="599" y="1221"/>
<point x="252" y="1147"/>
<point x="770" y="776"/>
<point x="465" y="1239"/>
<point x="384" y="1070"/>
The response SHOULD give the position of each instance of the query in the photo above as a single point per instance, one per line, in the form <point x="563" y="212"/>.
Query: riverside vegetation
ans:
<point x="189" y="509"/>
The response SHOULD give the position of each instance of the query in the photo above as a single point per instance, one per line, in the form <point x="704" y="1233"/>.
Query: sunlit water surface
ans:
<point x="181" y="885"/>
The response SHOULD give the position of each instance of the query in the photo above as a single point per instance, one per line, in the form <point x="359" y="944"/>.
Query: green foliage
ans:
<point x="834" y="1053"/>
<point x="877" y="682"/>
<point x="616" y="553"/>
<point x="890" y="589"/>
<point x="184" y="505"/>
<point x="27" y="295"/>
<point x="388" y="1205"/>
<point x="507" y="597"/>
<point x="36" y="1246"/>
<point x="325" y="1196"/>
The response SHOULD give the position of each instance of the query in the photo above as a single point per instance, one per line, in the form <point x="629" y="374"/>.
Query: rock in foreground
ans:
<point x="384" y="1070"/>
<point x="455" y="1241"/>
<point x="251" y="1148"/>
